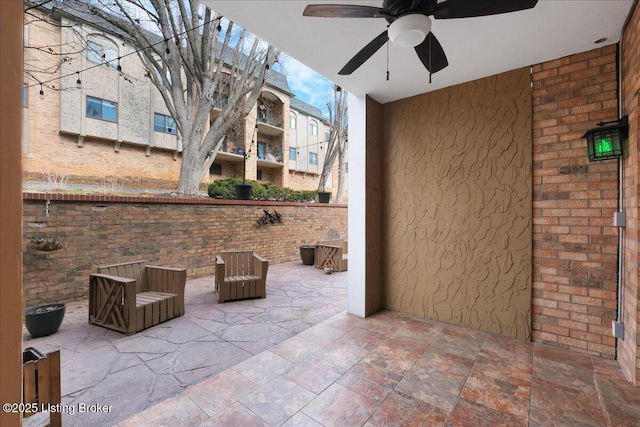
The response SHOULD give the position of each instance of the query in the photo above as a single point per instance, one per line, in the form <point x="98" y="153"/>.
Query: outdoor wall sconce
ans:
<point x="605" y="141"/>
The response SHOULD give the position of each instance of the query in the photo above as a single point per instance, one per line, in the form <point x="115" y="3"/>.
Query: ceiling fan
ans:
<point x="410" y="25"/>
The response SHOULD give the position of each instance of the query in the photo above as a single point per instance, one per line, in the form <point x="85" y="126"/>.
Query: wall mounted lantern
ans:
<point x="605" y="141"/>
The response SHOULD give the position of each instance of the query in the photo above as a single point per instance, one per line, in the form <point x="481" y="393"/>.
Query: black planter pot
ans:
<point x="307" y="254"/>
<point x="243" y="191"/>
<point x="44" y="320"/>
<point x="324" y="196"/>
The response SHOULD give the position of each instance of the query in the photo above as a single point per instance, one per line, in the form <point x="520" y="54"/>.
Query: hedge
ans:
<point x="224" y="189"/>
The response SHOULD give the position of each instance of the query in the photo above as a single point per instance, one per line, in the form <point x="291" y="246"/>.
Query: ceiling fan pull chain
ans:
<point x="430" y="57"/>
<point x="387" y="60"/>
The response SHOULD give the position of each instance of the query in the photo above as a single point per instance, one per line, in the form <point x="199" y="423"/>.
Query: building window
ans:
<point x="159" y="74"/>
<point x="262" y="112"/>
<point x="101" y="109"/>
<point x="313" y="129"/>
<point x="100" y="54"/>
<point x="215" y="169"/>
<point x="219" y="101"/>
<point x="262" y="151"/>
<point x="259" y="174"/>
<point x="292" y="122"/>
<point x="25" y="95"/>
<point x="313" y="159"/>
<point x="162" y="123"/>
<point x="327" y="136"/>
<point x="292" y="154"/>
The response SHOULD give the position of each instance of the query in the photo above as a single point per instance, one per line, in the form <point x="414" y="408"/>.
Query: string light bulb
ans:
<point x="41" y="94"/>
<point x="78" y="82"/>
<point x="167" y="54"/>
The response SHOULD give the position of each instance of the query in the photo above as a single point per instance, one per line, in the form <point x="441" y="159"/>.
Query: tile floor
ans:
<point x="396" y="370"/>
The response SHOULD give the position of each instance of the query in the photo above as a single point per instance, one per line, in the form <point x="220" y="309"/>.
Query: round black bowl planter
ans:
<point x="243" y="191"/>
<point x="324" y="196"/>
<point x="44" y="320"/>
<point x="307" y="254"/>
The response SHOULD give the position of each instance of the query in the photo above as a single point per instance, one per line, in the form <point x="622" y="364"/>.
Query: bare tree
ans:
<point x="193" y="61"/>
<point x="337" y="144"/>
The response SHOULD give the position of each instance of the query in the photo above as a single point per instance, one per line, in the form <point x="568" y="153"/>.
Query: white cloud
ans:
<point x="306" y="84"/>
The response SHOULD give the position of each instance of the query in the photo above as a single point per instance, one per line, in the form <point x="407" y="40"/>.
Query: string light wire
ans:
<point x="44" y="82"/>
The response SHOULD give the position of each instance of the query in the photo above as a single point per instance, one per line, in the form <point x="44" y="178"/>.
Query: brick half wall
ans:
<point x="172" y="232"/>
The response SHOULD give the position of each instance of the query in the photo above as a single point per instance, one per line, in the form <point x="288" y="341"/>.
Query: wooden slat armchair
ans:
<point x="240" y="275"/>
<point x="133" y="296"/>
<point x="41" y="384"/>
<point x="333" y="254"/>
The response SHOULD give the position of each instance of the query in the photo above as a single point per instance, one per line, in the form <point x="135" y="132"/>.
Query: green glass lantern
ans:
<point x="605" y="141"/>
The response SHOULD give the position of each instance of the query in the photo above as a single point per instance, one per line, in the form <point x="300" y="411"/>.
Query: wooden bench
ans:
<point x="240" y="275"/>
<point x="332" y="253"/>
<point x="133" y="296"/>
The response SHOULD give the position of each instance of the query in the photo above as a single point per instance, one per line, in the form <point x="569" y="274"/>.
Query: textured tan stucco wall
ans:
<point x="457" y="204"/>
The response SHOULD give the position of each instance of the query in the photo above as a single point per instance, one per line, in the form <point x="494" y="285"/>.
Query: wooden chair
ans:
<point x="133" y="296"/>
<point x="240" y="275"/>
<point x="41" y="384"/>
<point x="332" y="253"/>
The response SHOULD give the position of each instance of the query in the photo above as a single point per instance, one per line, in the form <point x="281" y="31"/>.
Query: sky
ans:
<point x="306" y="84"/>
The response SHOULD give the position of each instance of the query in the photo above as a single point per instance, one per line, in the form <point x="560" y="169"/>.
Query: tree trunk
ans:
<point x="342" y="170"/>
<point x="190" y="170"/>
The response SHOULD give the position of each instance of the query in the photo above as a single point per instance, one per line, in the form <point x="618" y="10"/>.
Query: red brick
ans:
<point x="574" y="66"/>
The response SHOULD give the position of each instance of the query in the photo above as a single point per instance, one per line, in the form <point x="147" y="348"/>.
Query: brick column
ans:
<point x="574" y="240"/>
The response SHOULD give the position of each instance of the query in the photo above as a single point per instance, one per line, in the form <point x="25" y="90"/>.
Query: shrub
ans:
<point x="224" y="189"/>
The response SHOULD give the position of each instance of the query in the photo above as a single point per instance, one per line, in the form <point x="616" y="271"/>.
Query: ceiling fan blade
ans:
<point x="366" y="53"/>
<point x="345" y="11"/>
<point x="466" y="9"/>
<point x="431" y="54"/>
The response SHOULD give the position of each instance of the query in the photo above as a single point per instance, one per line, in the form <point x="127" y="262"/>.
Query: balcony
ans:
<point x="230" y="153"/>
<point x="270" y="161"/>
<point x="270" y="126"/>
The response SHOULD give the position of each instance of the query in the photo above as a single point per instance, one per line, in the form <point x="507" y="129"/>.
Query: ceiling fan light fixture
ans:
<point x="409" y="30"/>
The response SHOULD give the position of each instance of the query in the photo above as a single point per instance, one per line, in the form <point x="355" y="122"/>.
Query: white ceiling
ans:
<point x="475" y="47"/>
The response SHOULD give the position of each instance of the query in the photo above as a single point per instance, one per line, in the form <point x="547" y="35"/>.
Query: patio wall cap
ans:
<point x="177" y="200"/>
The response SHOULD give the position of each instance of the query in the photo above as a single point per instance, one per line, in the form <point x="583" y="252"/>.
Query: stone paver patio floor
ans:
<point x="130" y="373"/>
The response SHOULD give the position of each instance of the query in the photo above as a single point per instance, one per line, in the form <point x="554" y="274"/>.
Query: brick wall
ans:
<point x="574" y="240"/>
<point x="628" y="348"/>
<point x="170" y="231"/>
<point x="304" y="181"/>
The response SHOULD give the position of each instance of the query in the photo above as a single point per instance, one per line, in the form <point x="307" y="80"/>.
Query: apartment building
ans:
<point x="97" y="115"/>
